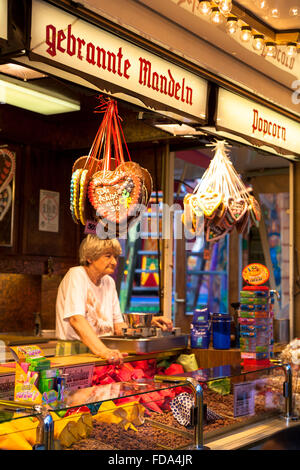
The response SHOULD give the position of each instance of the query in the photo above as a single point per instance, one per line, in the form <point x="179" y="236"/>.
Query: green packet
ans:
<point x="254" y="301"/>
<point x="188" y="362"/>
<point x="221" y="386"/>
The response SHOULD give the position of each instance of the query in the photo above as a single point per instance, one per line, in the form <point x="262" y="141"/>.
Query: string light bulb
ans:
<point x="275" y="13"/>
<point x="232" y="25"/>
<point x="258" y="42"/>
<point x="291" y="49"/>
<point x="246" y="33"/>
<point x="205" y="8"/>
<point x="225" y="6"/>
<point x="294" y="11"/>
<point x="271" y="49"/>
<point x="216" y="16"/>
<point x="262" y="4"/>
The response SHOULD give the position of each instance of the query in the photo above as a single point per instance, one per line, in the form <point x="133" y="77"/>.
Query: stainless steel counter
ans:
<point x="146" y="345"/>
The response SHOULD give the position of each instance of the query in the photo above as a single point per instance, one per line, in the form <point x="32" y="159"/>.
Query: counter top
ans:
<point x="249" y="435"/>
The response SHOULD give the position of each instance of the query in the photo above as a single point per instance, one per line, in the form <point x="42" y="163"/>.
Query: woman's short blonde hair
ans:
<point x="92" y="247"/>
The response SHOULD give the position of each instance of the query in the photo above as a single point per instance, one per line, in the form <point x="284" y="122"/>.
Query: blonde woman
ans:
<point x="87" y="304"/>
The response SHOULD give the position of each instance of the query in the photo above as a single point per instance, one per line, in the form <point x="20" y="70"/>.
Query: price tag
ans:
<point x="244" y="402"/>
<point x="78" y="376"/>
<point x="7" y="387"/>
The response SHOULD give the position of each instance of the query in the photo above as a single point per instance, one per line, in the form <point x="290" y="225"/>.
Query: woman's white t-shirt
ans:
<point x="78" y="295"/>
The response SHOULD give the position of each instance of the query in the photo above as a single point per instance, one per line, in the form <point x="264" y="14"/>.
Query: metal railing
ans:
<point x="45" y="429"/>
<point x="197" y="413"/>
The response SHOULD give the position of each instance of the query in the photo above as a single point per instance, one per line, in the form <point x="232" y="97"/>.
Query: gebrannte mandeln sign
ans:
<point x="77" y="45"/>
<point x="247" y="118"/>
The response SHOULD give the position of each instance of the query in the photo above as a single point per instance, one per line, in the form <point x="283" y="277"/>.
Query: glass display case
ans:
<point x="161" y="413"/>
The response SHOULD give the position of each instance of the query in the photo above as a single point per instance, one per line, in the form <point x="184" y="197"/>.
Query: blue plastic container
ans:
<point x="201" y="316"/>
<point x="200" y="337"/>
<point x="221" y="325"/>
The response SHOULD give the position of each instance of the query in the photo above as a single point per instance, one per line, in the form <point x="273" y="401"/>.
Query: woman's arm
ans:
<point x="91" y="340"/>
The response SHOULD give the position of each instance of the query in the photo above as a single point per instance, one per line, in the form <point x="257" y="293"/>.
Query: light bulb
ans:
<point x="262" y="4"/>
<point x="275" y="13"/>
<point x="225" y="6"/>
<point x="291" y="49"/>
<point x="232" y="25"/>
<point x="204" y="8"/>
<point x="294" y="11"/>
<point x="216" y="16"/>
<point x="258" y="42"/>
<point x="245" y="33"/>
<point x="271" y="49"/>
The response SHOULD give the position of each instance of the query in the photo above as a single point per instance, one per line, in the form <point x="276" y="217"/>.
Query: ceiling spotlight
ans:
<point x="225" y="6"/>
<point x="258" y="42"/>
<point x="216" y="16"/>
<point x="246" y="33"/>
<point x="271" y="49"/>
<point x="204" y="7"/>
<point x="232" y="25"/>
<point x="275" y="13"/>
<point x="294" y="11"/>
<point x="291" y="49"/>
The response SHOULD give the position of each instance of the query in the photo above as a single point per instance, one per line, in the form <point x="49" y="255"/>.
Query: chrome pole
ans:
<point x="198" y="415"/>
<point x="45" y="430"/>
<point x="288" y="393"/>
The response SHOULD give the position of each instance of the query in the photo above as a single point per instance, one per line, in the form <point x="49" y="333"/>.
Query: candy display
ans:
<point x="35" y="381"/>
<point x="256" y="316"/>
<point x="104" y="187"/>
<point x="221" y="199"/>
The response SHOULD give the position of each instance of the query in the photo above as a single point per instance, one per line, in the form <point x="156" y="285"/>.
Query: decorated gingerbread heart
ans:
<point x="209" y="202"/>
<point x="115" y="194"/>
<point x="7" y="168"/>
<point x="5" y="201"/>
<point x="242" y="224"/>
<point x="215" y="233"/>
<point x="237" y="207"/>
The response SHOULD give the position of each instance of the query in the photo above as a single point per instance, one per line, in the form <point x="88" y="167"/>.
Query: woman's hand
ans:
<point x="113" y="356"/>
<point x="163" y="323"/>
<point x="118" y="328"/>
<point x="91" y="340"/>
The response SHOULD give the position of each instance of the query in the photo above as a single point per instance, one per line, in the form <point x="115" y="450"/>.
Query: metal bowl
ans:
<point x="138" y="320"/>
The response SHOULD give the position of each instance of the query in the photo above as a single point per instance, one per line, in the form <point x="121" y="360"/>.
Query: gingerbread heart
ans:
<point x="75" y="194"/>
<point x="209" y="202"/>
<point x="193" y="201"/>
<point x="7" y="168"/>
<point x="220" y="214"/>
<point x="188" y="215"/>
<point x="215" y="233"/>
<point x="5" y="201"/>
<point x="116" y="194"/>
<point x="237" y="208"/>
<point x="242" y="224"/>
